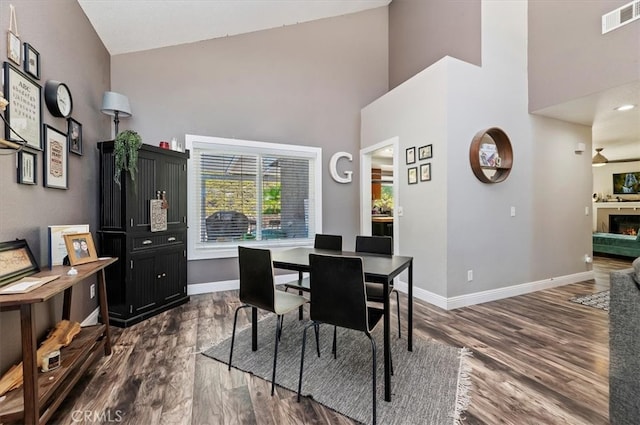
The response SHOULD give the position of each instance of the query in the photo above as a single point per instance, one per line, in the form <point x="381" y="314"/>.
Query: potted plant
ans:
<point x="125" y="149"/>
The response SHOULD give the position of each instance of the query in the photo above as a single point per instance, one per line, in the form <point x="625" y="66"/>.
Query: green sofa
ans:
<point x="610" y="243"/>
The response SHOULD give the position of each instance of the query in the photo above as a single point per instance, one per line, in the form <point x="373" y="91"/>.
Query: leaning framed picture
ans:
<point x="27" y="162"/>
<point x="74" y="134"/>
<point x="80" y="248"/>
<point x="413" y="175"/>
<point x="31" y="61"/>
<point x="425" y="152"/>
<point x="16" y="261"/>
<point x="24" y="113"/>
<point x="425" y="172"/>
<point x="56" y="159"/>
<point x="411" y="155"/>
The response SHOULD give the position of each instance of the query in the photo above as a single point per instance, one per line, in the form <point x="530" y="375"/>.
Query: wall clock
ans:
<point x="57" y="97"/>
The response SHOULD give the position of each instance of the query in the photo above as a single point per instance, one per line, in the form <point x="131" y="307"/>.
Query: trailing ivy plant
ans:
<point x="125" y="150"/>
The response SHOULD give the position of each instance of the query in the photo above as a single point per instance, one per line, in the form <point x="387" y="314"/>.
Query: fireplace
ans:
<point x="624" y="224"/>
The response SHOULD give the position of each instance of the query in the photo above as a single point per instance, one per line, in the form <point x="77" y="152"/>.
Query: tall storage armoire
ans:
<point x="151" y="275"/>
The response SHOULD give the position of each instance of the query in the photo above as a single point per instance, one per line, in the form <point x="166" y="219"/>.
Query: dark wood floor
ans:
<point x="538" y="359"/>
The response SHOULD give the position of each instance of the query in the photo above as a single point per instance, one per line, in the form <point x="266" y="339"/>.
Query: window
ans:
<point x="251" y="193"/>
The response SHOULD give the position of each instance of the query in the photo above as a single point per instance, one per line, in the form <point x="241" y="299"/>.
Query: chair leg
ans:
<point x="233" y="334"/>
<point x="373" y="374"/>
<point x="304" y="343"/>
<point x="275" y="354"/>
<point x="316" y="327"/>
<point x="398" y="306"/>
<point x="334" y="349"/>
<point x="281" y="327"/>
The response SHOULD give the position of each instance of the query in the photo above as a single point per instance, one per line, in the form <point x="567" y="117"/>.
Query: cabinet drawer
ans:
<point x="156" y="241"/>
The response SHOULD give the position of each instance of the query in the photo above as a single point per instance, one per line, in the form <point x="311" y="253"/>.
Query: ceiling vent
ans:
<point x="621" y="16"/>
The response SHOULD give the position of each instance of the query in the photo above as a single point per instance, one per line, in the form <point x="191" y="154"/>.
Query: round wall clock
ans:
<point x="57" y="97"/>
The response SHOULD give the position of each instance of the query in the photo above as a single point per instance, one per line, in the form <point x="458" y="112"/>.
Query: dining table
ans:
<point x="377" y="268"/>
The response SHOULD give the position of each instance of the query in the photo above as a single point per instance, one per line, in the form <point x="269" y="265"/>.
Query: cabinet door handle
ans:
<point x="147" y="242"/>
<point x="171" y="239"/>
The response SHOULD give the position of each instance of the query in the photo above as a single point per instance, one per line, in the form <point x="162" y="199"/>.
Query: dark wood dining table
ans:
<point x="377" y="268"/>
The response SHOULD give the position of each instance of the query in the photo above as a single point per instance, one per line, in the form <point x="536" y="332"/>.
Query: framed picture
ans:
<point x="56" y="159"/>
<point x="413" y="175"/>
<point x="425" y="152"/>
<point x="425" y="172"/>
<point x="24" y="112"/>
<point x="27" y="162"/>
<point x="411" y="155"/>
<point x="80" y="248"/>
<point x="16" y="261"/>
<point x="31" y="61"/>
<point x="74" y="134"/>
<point x="13" y="48"/>
<point x="57" y="247"/>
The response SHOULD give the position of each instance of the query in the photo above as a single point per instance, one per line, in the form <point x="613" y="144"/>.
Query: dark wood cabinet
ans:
<point x="151" y="275"/>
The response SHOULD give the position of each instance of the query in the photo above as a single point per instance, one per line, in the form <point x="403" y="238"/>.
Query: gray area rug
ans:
<point x="430" y="385"/>
<point x="598" y="300"/>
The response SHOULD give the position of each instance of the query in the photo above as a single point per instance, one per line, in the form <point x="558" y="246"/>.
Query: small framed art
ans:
<point x="31" y="61"/>
<point x="80" y="248"/>
<point x="56" y="159"/>
<point x="74" y="134"/>
<point x="24" y="113"/>
<point x="425" y="172"/>
<point x="27" y="167"/>
<point x="13" y="48"/>
<point x="411" y="155"/>
<point x="425" y="152"/>
<point x="16" y="261"/>
<point x="413" y="175"/>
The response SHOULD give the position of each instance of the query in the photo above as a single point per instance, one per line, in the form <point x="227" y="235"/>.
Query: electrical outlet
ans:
<point x="513" y="211"/>
<point x="92" y="290"/>
<point x="469" y="275"/>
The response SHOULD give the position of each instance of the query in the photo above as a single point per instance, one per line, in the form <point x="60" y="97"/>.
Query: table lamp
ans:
<point x="116" y="105"/>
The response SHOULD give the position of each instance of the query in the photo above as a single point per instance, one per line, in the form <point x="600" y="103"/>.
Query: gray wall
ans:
<point x="302" y="84"/>
<point x="423" y="31"/>
<point x="570" y="57"/>
<point x="71" y="52"/>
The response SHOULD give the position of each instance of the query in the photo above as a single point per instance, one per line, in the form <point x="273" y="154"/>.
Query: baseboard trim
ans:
<point x="228" y="285"/>
<point x="92" y="318"/>
<point x="493" y="294"/>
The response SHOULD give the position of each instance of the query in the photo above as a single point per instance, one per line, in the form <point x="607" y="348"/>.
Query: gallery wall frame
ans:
<point x="425" y="152"/>
<point x="24" y="113"/>
<point x="412" y="175"/>
<point x="74" y="134"/>
<point x="425" y="172"/>
<point x="56" y="159"/>
<point x="31" y="61"/>
<point x="13" y="47"/>
<point x="27" y="168"/>
<point x="411" y="155"/>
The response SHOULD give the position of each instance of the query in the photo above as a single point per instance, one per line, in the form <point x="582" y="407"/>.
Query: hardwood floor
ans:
<point x="538" y="359"/>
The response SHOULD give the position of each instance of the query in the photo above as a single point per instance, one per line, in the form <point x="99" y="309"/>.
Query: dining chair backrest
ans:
<point x="332" y="242"/>
<point x="375" y="244"/>
<point x="256" y="278"/>
<point x="337" y="291"/>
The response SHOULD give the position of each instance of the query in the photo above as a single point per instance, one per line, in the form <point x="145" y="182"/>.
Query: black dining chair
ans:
<point x="382" y="245"/>
<point x="321" y="241"/>
<point x="338" y="298"/>
<point x="257" y="289"/>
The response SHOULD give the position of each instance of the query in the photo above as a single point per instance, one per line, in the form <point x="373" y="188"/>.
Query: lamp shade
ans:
<point x="113" y="102"/>
<point x="599" y="159"/>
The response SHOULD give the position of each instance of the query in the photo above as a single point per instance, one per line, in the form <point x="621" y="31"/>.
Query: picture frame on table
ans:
<point x="411" y="155"/>
<point x="425" y="152"/>
<point x="16" y="261"/>
<point x="27" y="168"/>
<point x="74" y="134"/>
<point x="57" y="246"/>
<point x="13" y="48"/>
<point x="80" y="248"/>
<point x="412" y="175"/>
<point x="425" y="172"/>
<point x="31" y="61"/>
<point x="23" y="115"/>
<point x="56" y="159"/>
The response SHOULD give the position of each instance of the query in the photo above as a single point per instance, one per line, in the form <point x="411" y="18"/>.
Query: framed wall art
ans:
<point x="74" y="134"/>
<point x="24" y="112"/>
<point x="31" y="61"/>
<point x="425" y="152"/>
<point x="27" y="162"/>
<point x="56" y="159"/>
<point x="413" y="175"/>
<point x="425" y="172"/>
<point x="13" y="48"/>
<point x="80" y="248"/>
<point x="411" y="155"/>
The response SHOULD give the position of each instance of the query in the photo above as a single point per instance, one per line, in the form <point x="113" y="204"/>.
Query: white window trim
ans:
<point x="197" y="250"/>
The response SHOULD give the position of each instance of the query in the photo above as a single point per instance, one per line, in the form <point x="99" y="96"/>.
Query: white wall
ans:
<point x="456" y="223"/>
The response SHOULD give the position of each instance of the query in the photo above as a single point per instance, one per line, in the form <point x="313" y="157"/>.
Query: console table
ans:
<point x="42" y="393"/>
